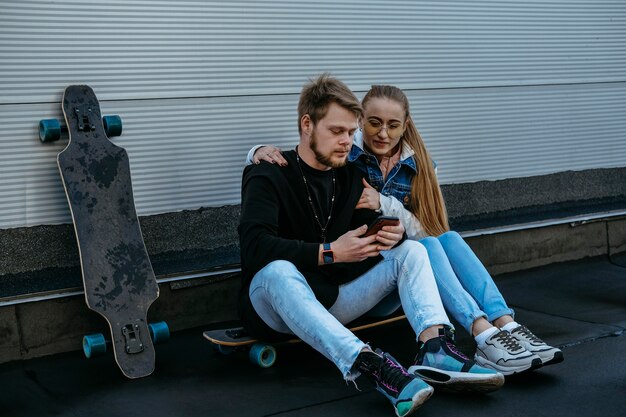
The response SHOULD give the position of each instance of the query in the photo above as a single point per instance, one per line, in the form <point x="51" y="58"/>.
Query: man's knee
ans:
<point x="413" y="249"/>
<point x="281" y="268"/>
<point x="276" y="274"/>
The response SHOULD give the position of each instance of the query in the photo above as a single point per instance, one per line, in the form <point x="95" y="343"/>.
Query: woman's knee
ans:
<point x="433" y="246"/>
<point x="450" y="238"/>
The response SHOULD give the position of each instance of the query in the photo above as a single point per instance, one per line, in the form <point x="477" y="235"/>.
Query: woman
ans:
<point x="403" y="183"/>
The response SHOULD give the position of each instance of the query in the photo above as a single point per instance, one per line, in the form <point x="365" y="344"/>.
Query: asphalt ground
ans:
<point x="579" y="306"/>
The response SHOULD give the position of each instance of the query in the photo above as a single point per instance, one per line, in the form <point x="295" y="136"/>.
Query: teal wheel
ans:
<point x="159" y="332"/>
<point x="112" y="125"/>
<point x="263" y="355"/>
<point x="94" y="344"/>
<point x="49" y="130"/>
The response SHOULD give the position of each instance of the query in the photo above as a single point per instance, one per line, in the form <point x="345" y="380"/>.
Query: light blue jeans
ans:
<point x="283" y="299"/>
<point x="467" y="290"/>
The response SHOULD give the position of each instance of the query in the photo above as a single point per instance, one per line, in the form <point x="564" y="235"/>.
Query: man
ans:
<point x="308" y="270"/>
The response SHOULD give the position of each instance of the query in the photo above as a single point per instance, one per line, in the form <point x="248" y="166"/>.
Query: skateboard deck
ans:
<point x="117" y="274"/>
<point x="262" y="353"/>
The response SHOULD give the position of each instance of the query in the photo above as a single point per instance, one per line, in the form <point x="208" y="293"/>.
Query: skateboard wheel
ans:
<point x="94" y="344"/>
<point x="112" y="125"/>
<point x="159" y="332"/>
<point x="263" y="355"/>
<point x="49" y="130"/>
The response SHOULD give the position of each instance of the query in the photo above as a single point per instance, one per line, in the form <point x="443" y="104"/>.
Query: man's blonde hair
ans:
<point x="318" y="94"/>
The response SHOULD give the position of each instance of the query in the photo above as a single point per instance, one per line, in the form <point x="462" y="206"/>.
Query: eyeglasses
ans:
<point x="373" y="127"/>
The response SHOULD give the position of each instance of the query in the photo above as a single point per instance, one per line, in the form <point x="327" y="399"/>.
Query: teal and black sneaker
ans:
<point x="440" y="363"/>
<point x="406" y="392"/>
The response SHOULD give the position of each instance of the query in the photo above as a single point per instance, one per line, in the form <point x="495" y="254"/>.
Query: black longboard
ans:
<point x="264" y="354"/>
<point x="119" y="280"/>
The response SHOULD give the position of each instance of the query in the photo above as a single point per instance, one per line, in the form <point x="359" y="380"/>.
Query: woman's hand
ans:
<point x="389" y="236"/>
<point x="370" y="199"/>
<point x="270" y="154"/>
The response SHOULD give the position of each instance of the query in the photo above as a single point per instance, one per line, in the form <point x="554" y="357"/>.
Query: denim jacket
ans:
<point x="395" y="192"/>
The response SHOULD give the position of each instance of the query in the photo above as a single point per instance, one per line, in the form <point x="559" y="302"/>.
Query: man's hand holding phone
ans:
<point x="353" y="247"/>
<point x="365" y="242"/>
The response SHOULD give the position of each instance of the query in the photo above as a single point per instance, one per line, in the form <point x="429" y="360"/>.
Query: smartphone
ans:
<point x="379" y="223"/>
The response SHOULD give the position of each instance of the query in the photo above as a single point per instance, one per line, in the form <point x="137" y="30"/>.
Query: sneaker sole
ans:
<point x="458" y="381"/>
<point x="547" y="356"/>
<point x="557" y="358"/>
<point x="418" y="400"/>
<point x="508" y="370"/>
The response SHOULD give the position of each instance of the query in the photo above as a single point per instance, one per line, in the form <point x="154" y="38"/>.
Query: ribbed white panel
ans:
<point x="496" y="133"/>
<point x="156" y="49"/>
<point x="189" y="153"/>
<point x="499" y="88"/>
<point x="183" y="154"/>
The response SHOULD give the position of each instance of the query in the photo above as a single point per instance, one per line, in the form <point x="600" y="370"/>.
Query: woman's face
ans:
<point x="383" y="126"/>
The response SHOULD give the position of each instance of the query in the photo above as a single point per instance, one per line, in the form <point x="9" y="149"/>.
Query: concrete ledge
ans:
<point x="53" y="326"/>
<point x="522" y="196"/>
<point x="9" y="335"/>
<point x="617" y="236"/>
<point x="169" y="237"/>
<point x="524" y="249"/>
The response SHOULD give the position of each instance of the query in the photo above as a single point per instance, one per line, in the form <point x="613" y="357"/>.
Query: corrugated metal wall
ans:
<point x="499" y="88"/>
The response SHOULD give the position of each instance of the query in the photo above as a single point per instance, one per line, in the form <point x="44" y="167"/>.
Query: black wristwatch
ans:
<point x="327" y="254"/>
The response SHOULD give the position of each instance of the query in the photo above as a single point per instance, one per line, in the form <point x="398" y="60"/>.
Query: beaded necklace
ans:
<point x="332" y="200"/>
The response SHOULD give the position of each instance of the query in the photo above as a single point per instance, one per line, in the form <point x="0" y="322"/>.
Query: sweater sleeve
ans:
<point x="251" y="153"/>
<point x="391" y="206"/>
<point x="258" y="227"/>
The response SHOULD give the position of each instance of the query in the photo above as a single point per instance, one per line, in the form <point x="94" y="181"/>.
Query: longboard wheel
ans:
<point x="112" y="125"/>
<point x="94" y="344"/>
<point x="263" y="355"/>
<point x="49" y="130"/>
<point x="159" y="332"/>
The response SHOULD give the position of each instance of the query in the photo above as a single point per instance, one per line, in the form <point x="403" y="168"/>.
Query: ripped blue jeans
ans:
<point x="282" y="297"/>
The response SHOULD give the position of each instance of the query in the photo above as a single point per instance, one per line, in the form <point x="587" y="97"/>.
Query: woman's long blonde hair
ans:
<point x="426" y="201"/>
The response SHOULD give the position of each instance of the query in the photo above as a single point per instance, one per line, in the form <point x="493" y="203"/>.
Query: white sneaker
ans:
<point x="505" y="354"/>
<point x="532" y="343"/>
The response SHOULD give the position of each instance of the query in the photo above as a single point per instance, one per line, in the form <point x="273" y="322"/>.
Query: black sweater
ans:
<point x="277" y="223"/>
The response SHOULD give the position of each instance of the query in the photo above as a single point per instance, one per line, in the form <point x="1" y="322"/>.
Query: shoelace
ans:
<point x="456" y="350"/>
<point x="392" y="376"/>
<point x="508" y="341"/>
<point x="523" y="330"/>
